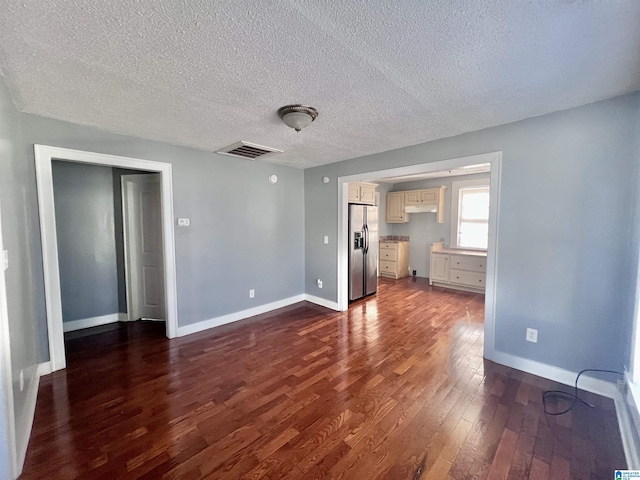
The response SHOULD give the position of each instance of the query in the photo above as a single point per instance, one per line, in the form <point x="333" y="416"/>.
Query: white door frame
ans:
<point x="6" y="374"/>
<point x="495" y="160"/>
<point x="44" y="179"/>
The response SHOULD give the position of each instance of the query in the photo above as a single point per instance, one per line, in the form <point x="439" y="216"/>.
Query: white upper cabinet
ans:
<point x="361" y="192"/>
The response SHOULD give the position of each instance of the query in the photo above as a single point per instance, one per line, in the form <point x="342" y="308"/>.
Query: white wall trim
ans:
<point x="32" y="384"/>
<point x="43" y="369"/>
<point x="81" y="323"/>
<point x="6" y="374"/>
<point x="123" y="317"/>
<point x="627" y="402"/>
<point x="629" y="444"/>
<point x="492" y="158"/>
<point x="234" y="317"/>
<point x="323" y="302"/>
<point x="44" y="180"/>
<point x="557" y="374"/>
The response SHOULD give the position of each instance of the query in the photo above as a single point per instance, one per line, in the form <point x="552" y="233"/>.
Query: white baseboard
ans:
<point x="251" y="312"/>
<point x="234" y="317"/>
<point x="628" y="413"/>
<point x="43" y="369"/>
<point x="90" y="322"/>
<point x="321" y="301"/>
<point x="123" y="317"/>
<point x="23" y="431"/>
<point x="560" y="375"/>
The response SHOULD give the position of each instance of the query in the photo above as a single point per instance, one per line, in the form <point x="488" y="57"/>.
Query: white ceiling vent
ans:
<point x="248" y="150"/>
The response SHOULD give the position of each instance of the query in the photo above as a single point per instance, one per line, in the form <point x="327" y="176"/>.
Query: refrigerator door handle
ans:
<point x="366" y="239"/>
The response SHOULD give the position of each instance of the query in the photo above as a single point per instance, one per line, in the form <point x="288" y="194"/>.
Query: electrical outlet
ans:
<point x="252" y="293"/>
<point x="326" y="239"/>
<point x="532" y="335"/>
<point x="21" y="380"/>
<point x="184" y="222"/>
<point x="319" y="282"/>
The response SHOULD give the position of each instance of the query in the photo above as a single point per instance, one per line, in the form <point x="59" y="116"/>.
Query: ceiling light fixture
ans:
<point x="297" y="116"/>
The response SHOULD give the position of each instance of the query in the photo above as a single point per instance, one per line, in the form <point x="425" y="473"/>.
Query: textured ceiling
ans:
<point x="383" y="74"/>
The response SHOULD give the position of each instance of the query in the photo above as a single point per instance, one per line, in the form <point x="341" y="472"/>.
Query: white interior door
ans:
<point x="142" y="216"/>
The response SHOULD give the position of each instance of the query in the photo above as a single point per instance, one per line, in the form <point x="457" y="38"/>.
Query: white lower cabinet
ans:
<point x="394" y="259"/>
<point x="460" y="270"/>
<point x="471" y="279"/>
<point x="439" y="268"/>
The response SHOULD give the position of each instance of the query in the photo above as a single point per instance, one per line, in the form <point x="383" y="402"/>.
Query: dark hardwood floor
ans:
<point x="394" y="388"/>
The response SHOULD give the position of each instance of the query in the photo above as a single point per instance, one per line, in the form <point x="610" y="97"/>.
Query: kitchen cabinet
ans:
<point x="456" y="268"/>
<point x="394" y="259"/>
<point x="439" y="268"/>
<point x="361" y="192"/>
<point x="418" y="198"/>
<point x="422" y="197"/>
<point x="395" y="208"/>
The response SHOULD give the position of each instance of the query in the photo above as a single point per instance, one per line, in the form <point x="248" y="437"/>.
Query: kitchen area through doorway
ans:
<point x="429" y="231"/>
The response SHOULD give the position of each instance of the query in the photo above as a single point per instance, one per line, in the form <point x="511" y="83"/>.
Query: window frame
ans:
<point x="455" y="208"/>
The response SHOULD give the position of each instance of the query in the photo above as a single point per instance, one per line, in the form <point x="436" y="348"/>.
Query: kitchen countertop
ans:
<point x="461" y="251"/>
<point x="393" y="239"/>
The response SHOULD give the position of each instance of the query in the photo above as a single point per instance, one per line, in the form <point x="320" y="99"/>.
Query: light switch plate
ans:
<point x="326" y="239"/>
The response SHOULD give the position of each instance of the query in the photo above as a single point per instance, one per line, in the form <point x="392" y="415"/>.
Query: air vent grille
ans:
<point x="248" y="150"/>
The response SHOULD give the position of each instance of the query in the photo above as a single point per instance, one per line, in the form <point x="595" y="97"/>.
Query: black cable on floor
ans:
<point x="558" y="394"/>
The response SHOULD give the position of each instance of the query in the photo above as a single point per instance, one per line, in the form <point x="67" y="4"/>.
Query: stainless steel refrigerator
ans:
<point x="363" y="250"/>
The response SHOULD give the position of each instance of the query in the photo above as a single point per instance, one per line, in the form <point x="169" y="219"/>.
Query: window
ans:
<point x="470" y="214"/>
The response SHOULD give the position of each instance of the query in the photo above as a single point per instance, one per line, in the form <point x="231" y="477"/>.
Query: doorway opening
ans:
<point x="489" y="164"/>
<point x="164" y="244"/>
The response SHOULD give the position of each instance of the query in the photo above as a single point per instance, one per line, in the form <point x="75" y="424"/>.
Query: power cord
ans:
<point x="559" y="394"/>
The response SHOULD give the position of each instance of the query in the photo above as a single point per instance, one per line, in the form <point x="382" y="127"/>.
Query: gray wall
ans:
<point x="21" y="237"/>
<point x="84" y="205"/>
<point x="564" y="244"/>
<point x="245" y="232"/>
<point x="423" y="229"/>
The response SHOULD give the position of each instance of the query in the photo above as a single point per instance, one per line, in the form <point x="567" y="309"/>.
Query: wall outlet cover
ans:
<point x="252" y="293"/>
<point x="532" y="335"/>
<point x="319" y="282"/>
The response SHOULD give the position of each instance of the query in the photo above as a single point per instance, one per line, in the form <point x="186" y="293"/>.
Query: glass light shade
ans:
<point x="297" y="120"/>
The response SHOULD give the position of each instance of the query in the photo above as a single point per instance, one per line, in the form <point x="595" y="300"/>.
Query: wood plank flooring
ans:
<point x="394" y="388"/>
